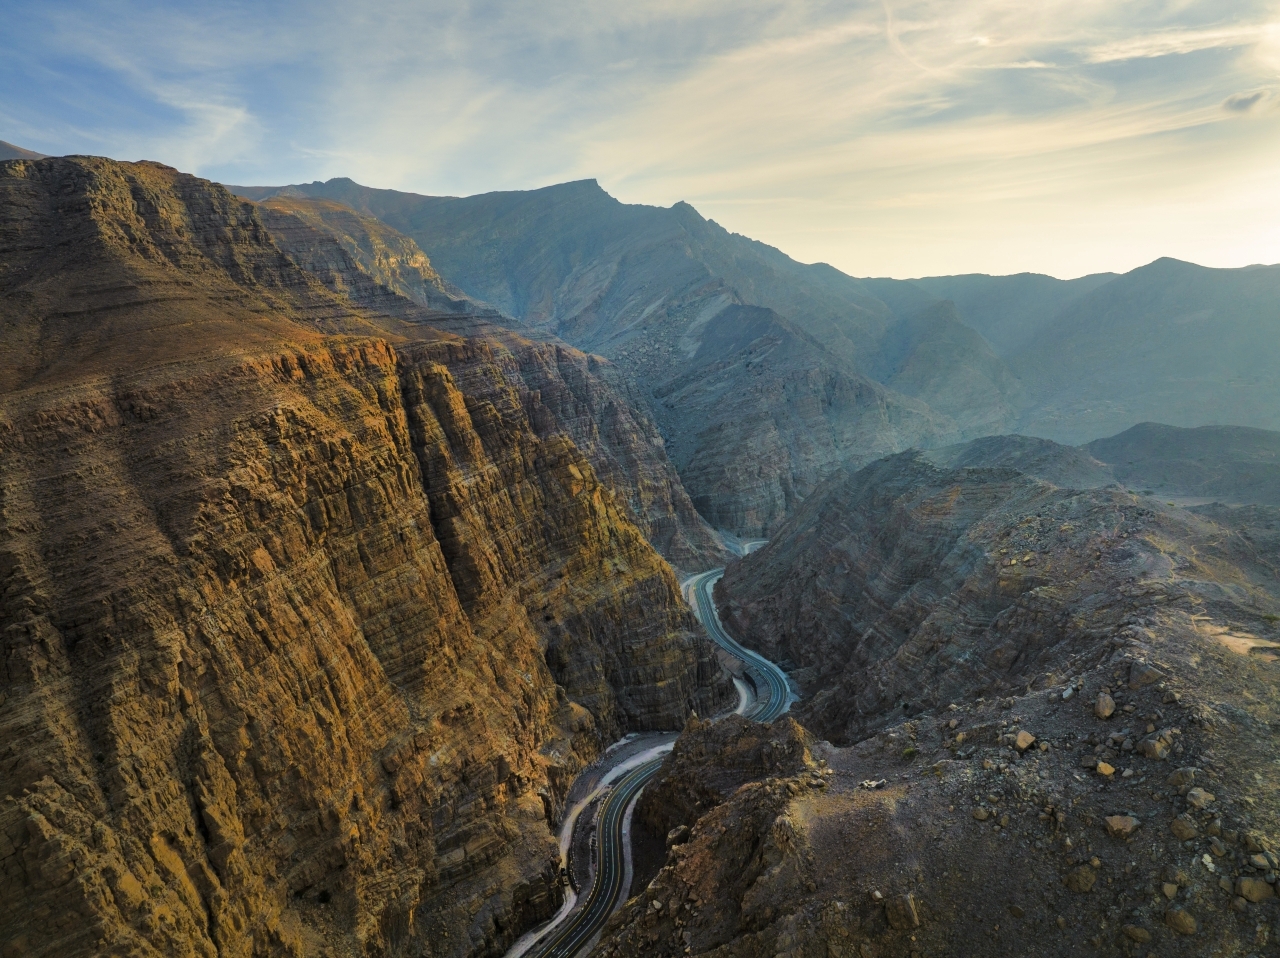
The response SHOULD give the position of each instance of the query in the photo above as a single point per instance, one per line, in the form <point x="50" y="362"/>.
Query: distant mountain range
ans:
<point x="765" y="373"/>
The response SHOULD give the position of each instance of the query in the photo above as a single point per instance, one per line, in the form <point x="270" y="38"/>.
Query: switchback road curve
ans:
<point x="584" y="923"/>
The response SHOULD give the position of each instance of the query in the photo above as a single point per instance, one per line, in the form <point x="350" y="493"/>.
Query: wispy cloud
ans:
<point x="1244" y="102"/>
<point x="1176" y="43"/>
<point x="882" y="135"/>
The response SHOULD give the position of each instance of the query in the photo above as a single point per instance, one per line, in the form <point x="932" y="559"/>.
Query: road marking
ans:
<point x="603" y="899"/>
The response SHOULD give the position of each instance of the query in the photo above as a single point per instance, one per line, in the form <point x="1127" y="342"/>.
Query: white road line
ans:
<point x="531" y="938"/>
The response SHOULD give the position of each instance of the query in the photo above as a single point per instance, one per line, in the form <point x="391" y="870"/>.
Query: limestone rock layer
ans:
<point x="307" y="615"/>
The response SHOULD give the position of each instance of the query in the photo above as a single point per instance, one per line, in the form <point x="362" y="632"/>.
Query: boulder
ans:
<point x="1181" y="921"/>
<point x="1198" y="798"/>
<point x="901" y="912"/>
<point x="1254" y="889"/>
<point x="1183" y="828"/>
<point x="1122" y="826"/>
<point x="1140" y="674"/>
<point x="1080" y="879"/>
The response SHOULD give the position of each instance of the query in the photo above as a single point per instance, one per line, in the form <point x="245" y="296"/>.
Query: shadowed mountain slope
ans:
<point x="10" y="152"/>
<point x="598" y="407"/>
<point x="1009" y="310"/>
<point x="1069" y="466"/>
<point x="1230" y="463"/>
<point x="933" y="357"/>
<point x="1169" y="342"/>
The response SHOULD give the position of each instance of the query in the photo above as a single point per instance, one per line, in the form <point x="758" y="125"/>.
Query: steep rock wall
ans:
<point x="255" y="696"/>
<point x="581" y="395"/>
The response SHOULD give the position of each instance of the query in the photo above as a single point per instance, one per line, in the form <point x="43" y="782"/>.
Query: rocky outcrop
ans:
<point x="309" y="614"/>
<point x="711" y="761"/>
<point x="909" y="844"/>
<point x="1055" y="710"/>
<point x="581" y="395"/>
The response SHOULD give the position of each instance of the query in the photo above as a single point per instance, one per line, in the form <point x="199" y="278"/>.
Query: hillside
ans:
<point x="1047" y="715"/>
<point x="10" y="152"/>
<point x="1009" y="310"/>
<point x="934" y="357"/>
<point x="311" y="611"/>
<point x="1170" y="342"/>
<point x="1234" y="464"/>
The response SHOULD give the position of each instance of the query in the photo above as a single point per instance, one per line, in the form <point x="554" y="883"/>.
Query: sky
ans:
<point x="895" y="138"/>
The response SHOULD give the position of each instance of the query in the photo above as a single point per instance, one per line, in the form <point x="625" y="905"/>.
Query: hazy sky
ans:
<point x="887" y="138"/>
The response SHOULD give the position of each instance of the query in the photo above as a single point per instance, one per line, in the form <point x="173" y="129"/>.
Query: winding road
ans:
<point x="583" y="924"/>
<point x="764" y="675"/>
<point x="578" y="929"/>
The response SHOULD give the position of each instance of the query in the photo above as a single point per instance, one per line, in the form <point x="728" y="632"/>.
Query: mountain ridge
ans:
<point x="312" y="610"/>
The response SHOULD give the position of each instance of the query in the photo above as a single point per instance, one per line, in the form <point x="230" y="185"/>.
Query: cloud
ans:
<point x="852" y="131"/>
<point x="1177" y="43"/>
<point x="1244" y="102"/>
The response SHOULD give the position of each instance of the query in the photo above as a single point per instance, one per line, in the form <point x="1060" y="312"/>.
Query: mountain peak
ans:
<point x="10" y="152"/>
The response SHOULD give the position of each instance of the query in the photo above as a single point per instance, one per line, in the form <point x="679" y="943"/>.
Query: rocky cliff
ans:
<point x="390" y="259"/>
<point x="309" y="613"/>
<point x="755" y="367"/>
<point x="582" y="395"/>
<point x="1054" y="711"/>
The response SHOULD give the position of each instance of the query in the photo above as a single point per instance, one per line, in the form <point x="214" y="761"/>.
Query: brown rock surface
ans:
<point x="309" y="613"/>
<point x="895" y="591"/>
<point x="373" y="249"/>
<point x="580" y="395"/>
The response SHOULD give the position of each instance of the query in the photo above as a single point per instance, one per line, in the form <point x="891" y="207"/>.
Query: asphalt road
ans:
<point x="772" y="699"/>
<point x="583" y="924"/>
<point x="774" y="695"/>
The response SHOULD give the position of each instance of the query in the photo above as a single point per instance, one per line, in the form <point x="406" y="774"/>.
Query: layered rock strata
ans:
<point x="581" y="395"/>
<point x="373" y="249"/>
<point x="1054" y="710"/>
<point x="755" y="367"/>
<point x="309" y="613"/>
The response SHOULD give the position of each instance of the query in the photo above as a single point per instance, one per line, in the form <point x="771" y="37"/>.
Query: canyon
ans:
<point x="1034" y="719"/>
<point x="343" y="535"/>
<point x="311" y="611"/>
